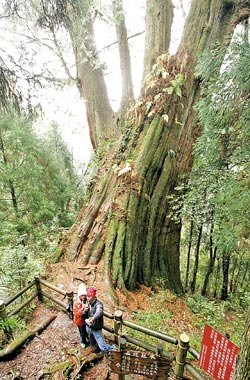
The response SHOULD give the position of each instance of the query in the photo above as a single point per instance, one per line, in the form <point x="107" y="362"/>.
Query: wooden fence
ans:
<point x="36" y="289"/>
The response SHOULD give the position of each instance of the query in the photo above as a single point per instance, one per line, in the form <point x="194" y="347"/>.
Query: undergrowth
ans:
<point x="190" y="318"/>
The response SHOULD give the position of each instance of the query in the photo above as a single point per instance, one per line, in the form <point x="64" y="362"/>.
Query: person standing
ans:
<point x="78" y="308"/>
<point x="94" y="324"/>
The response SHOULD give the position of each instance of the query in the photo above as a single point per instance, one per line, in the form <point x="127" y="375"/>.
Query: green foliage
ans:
<point x="226" y="317"/>
<point x="241" y="299"/>
<point x="217" y="193"/>
<point x="156" y="317"/>
<point x="11" y="323"/>
<point x="175" y="85"/>
<point x="12" y="327"/>
<point x="223" y="316"/>
<point x="18" y="265"/>
<point x="40" y="195"/>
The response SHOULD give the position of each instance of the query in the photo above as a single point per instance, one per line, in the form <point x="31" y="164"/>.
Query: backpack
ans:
<point x="77" y="313"/>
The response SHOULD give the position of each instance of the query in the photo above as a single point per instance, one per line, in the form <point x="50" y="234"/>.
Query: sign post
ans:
<point x="218" y="354"/>
<point x="140" y="363"/>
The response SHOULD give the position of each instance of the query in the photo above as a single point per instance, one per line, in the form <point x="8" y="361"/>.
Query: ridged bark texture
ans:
<point x="141" y="243"/>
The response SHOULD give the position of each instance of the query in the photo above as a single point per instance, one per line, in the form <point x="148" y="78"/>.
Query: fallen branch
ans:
<point x="17" y="343"/>
<point x="85" y="360"/>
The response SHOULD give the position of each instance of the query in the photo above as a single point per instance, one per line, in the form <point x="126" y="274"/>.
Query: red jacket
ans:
<point x="77" y="313"/>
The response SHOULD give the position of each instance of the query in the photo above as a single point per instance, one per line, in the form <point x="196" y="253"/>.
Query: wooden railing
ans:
<point x="37" y="289"/>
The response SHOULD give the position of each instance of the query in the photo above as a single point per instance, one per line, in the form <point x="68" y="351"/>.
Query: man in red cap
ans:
<point x="94" y="324"/>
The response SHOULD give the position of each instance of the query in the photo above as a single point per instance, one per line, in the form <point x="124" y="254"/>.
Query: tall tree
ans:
<point x="127" y="219"/>
<point x="159" y="18"/>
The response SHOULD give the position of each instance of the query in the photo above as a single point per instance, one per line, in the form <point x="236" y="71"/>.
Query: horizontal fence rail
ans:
<point x="39" y="285"/>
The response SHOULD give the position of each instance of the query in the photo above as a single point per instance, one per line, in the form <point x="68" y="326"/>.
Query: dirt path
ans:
<point x="45" y="356"/>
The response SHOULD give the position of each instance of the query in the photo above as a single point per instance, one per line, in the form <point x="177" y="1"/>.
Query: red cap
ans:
<point x="91" y="292"/>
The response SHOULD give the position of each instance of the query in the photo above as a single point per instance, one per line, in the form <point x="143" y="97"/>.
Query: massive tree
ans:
<point x="127" y="218"/>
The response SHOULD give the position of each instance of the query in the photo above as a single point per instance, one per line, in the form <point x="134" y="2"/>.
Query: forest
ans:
<point x="163" y="200"/>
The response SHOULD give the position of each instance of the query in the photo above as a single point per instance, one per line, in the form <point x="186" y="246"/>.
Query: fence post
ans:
<point x="183" y="345"/>
<point x="3" y="314"/>
<point x="38" y="288"/>
<point x="122" y="345"/>
<point x="117" y="326"/>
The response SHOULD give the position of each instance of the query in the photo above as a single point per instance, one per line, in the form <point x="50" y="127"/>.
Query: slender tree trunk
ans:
<point x="244" y="276"/>
<point x="217" y="278"/>
<point x="189" y="254"/>
<point x="196" y="261"/>
<point x="225" y="271"/>
<point x="159" y="18"/>
<point x="10" y="182"/>
<point x="212" y="257"/>
<point x="124" y="54"/>
<point x="91" y="83"/>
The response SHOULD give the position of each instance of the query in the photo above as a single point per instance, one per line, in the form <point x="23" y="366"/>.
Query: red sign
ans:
<point x="218" y="355"/>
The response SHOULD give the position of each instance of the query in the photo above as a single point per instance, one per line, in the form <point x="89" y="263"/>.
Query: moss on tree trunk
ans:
<point x="140" y="241"/>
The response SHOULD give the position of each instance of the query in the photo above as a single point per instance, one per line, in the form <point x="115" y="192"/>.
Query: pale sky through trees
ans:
<point x="65" y="107"/>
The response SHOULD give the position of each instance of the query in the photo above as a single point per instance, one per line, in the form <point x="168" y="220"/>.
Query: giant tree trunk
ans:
<point x="100" y="116"/>
<point x="127" y="219"/>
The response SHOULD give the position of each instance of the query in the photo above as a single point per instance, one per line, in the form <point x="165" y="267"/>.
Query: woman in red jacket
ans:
<point x="78" y="308"/>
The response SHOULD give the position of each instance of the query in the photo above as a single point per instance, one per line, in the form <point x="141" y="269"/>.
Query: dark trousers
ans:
<point x="83" y="335"/>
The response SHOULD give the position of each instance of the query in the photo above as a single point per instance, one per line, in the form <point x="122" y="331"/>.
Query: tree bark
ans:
<point x="196" y="261"/>
<point x="217" y="278"/>
<point x="212" y="257"/>
<point x="10" y="182"/>
<point x="188" y="254"/>
<point x="243" y="362"/>
<point x="225" y="272"/>
<point x="159" y="18"/>
<point x="140" y="241"/>
<point x="91" y="83"/>
<point x="125" y="64"/>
